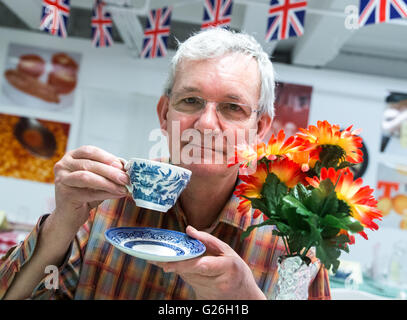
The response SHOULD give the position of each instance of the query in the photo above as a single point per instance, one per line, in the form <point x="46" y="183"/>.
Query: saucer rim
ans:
<point x="151" y="256"/>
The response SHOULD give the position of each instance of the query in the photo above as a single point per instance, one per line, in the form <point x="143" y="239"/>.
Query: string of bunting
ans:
<point x="286" y="18"/>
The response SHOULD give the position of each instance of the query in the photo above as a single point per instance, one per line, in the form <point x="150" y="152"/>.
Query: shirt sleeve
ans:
<point x="61" y="285"/>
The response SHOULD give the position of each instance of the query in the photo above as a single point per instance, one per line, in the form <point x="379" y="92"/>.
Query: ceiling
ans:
<point x="375" y="49"/>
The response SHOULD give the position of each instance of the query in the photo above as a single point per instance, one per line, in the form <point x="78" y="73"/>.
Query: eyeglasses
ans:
<point x="232" y="112"/>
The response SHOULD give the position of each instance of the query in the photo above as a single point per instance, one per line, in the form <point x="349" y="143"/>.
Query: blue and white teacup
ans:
<point x="155" y="185"/>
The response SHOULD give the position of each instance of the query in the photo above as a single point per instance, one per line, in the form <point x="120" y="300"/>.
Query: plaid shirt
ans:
<point x="94" y="269"/>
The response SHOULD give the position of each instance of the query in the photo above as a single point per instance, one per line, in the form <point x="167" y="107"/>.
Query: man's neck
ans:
<point x="205" y="197"/>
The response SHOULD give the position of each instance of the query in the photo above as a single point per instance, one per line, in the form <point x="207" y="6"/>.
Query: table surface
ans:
<point x="371" y="286"/>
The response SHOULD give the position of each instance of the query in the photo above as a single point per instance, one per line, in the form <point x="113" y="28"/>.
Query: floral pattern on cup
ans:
<point x="155" y="185"/>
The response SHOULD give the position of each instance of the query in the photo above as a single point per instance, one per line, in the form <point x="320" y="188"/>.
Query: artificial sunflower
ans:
<point x="341" y="145"/>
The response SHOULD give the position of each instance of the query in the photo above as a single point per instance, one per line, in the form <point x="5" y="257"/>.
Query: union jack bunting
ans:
<point x="217" y="13"/>
<point x="286" y="19"/>
<point x="54" y="18"/>
<point x="101" y="25"/>
<point x="156" y="33"/>
<point x="379" y="11"/>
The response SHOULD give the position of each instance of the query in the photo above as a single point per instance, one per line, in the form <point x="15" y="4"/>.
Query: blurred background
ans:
<point x="338" y="61"/>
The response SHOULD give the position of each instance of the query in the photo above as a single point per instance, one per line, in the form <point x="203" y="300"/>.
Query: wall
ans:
<point x="115" y="110"/>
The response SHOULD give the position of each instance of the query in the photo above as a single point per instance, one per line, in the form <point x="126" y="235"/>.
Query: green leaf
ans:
<point x="328" y="255"/>
<point x="298" y="205"/>
<point x="282" y="227"/>
<point x="343" y="223"/>
<point x="258" y="204"/>
<point x="300" y="192"/>
<point x="252" y="227"/>
<point x="273" y="191"/>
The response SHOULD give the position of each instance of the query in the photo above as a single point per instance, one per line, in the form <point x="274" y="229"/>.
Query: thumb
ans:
<point x="213" y="245"/>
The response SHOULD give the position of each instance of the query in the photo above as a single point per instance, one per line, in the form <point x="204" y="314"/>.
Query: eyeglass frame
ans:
<point x="169" y="94"/>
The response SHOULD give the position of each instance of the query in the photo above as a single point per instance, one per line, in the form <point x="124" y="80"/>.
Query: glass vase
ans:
<point x="294" y="278"/>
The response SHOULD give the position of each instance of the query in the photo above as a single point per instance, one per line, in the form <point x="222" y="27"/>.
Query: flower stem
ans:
<point x="306" y="250"/>
<point x="286" y="245"/>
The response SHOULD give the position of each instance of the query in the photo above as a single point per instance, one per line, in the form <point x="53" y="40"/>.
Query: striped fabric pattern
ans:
<point x="107" y="273"/>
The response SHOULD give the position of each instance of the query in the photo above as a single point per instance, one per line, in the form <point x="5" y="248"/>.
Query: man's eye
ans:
<point x="234" y="107"/>
<point x="191" y="100"/>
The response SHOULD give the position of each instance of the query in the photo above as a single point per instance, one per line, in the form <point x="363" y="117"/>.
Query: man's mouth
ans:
<point x="204" y="148"/>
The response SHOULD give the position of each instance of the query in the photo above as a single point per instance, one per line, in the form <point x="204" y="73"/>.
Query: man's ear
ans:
<point x="162" y="111"/>
<point x="263" y="126"/>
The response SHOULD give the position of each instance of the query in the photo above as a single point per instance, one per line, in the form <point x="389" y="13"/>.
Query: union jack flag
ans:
<point x="379" y="11"/>
<point x="54" y="18"/>
<point x="156" y="33"/>
<point x="286" y="19"/>
<point x="217" y="13"/>
<point x="101" y="25"/>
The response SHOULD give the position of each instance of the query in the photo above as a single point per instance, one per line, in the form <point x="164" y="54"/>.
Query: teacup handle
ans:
<point x="126" y="166"/>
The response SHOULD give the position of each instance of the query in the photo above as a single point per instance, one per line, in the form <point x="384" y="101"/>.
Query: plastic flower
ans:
<point x="250" y="187"/>
<point x="325" y="134"/>
<point x="276" y="146"/>
<point x="363" y="206"/>
<point x="287" y="171"/>
<point x="246" y="154"/>
<point x="306" y="159"/>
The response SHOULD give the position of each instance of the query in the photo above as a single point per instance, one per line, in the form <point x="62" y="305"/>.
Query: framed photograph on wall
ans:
<point x="30" y="147"/>
<point x="40" y="78"/>
<point x="292" y="107"/>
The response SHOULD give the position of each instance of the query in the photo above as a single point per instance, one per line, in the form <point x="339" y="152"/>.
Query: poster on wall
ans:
<point x="394" y="125"/>
<point x="30" y="147"/>
<point x="292" y="106"/>
<point x="40" y="78"/>
<point x="391" y="193"/>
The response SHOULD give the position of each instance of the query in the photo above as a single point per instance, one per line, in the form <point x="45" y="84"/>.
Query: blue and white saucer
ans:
<point x="155" y="244"/>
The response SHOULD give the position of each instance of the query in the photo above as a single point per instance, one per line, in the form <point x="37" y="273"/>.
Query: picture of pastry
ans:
<point x="32" y="65"/>
<point x="63" y="76"/>
<point x="40" y="78"/>
<point x="31" y="86"/>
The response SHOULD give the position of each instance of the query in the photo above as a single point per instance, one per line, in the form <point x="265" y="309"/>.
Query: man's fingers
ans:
<point x="112" y="173"/>
<point x="213" y="245"/>
<point x="90" y="180"/>
<point x="89" y="195"/>
<point x="97" y="154"/>
<point x="209" y="266"/>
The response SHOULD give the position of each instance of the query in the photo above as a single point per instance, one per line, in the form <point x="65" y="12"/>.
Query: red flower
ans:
<point x="327" y="134"/>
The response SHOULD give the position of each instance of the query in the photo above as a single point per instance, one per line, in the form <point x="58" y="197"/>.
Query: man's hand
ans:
<point x="84" y="178"/>
<point x="219" y="274"/>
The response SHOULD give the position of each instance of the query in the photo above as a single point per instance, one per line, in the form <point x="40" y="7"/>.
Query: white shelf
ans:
<point x="58" y="116"/>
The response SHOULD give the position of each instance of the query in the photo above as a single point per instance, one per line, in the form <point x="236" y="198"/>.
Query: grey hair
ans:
<point x="216" y="42"/>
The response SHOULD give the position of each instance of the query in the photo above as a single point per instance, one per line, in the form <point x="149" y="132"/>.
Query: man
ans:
<point x="219" y="82"/>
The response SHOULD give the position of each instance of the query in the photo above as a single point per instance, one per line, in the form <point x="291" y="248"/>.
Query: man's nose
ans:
<point x="209" y="118"/>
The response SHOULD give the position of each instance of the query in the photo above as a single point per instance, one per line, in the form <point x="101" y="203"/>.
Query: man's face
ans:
<point x="231" y="78"/>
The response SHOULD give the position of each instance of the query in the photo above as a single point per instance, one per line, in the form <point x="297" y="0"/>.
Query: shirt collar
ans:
<point x="229" y="214"/>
